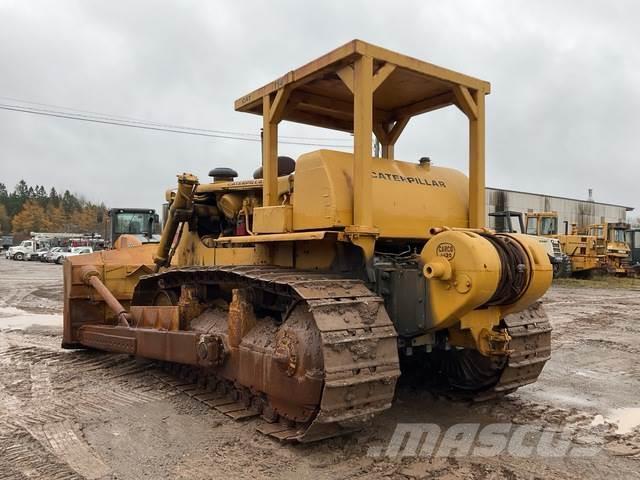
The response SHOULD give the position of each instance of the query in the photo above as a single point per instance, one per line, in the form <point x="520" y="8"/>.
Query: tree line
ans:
<point x="35" y="209"/>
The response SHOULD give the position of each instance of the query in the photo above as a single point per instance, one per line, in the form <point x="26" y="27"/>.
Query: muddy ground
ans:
<point x="78" y="414"/>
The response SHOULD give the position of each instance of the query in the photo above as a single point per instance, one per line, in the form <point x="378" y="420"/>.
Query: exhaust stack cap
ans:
<point x="223" y="174"/>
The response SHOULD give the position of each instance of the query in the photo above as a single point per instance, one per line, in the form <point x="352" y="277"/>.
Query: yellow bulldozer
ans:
<point x="300" y="296"/>
<point x="612" y="246"/>
<point x="582" y="250"/>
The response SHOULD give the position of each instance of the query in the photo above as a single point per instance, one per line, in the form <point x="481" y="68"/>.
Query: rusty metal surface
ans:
<point x="326" y="369"/>
<point x="349" y="331"/>
<point x="178" y="346"/>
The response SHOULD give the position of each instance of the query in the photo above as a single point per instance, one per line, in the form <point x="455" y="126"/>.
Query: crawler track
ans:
<point x="357" y="346"/>
<point x="530" y="333"/>
<point x="463" y="374"/>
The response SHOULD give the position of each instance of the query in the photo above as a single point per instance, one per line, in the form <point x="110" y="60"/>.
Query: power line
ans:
<point x="121" y="118"/>
<point x="140" y="125"/>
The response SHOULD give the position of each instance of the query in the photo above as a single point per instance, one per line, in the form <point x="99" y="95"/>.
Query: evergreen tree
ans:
<point x="54" y="198"/>
<point x="69" y="202"/>
<point x="22" y="190"/>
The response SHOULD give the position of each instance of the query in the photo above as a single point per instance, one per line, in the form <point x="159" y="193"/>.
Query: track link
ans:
<point x="530" y="333"/>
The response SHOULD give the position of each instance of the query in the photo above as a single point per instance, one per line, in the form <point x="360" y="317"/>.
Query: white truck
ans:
<point x="26" y="246"/>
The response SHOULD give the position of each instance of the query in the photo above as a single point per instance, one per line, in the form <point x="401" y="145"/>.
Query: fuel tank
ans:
<point x="408" y="198"/>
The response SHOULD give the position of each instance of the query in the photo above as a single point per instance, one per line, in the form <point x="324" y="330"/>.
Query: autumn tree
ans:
<point x="30" y="208"/>
<point x="56" y="217"/>
<point x="31" y="218"/>
<point x="5" y="221"/>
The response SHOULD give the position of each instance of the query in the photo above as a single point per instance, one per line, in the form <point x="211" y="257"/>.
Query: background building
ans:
<point x="571" y="210"/>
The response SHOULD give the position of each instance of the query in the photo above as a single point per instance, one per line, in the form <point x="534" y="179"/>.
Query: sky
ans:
<point x="562" y="116"/>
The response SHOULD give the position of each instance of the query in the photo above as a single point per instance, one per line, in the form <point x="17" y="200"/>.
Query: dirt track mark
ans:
<point x="39" y="399"/>
<point x="67" y="444"/>
<point x="23" y="457"/>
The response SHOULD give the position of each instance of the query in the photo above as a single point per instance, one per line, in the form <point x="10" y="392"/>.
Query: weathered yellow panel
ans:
<point x="239" y="256"/>
<point x="278" y="219"/>
<point x="408" y="198"/>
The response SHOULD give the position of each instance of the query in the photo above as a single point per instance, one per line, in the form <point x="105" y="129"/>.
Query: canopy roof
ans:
<point x="319" y="94"/>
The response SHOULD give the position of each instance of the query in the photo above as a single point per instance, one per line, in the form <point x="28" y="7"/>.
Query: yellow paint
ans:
<point x="470" y="280"/>
<point x="464" y="271"/>
<point x="407" y="198"/>
<point x="277" y="219"/>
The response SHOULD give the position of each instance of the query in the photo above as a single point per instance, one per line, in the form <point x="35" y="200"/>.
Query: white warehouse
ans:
<point x="570" y="210"/>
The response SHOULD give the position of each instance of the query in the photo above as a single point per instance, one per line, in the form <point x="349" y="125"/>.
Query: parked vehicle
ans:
<point x="43" y="258"/>
<point x="54" y="253"/>
<point x="140" y="223"/>
<point x="72" y="252"/>
<point x="612" y="246"/>
<point x="6" y="241"/>
<point x="35" y="256"/>
<point x="26" y="246"/>
<point x="633" y="240"/>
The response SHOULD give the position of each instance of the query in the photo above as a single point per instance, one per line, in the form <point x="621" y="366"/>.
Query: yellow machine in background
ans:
<point x="300" y="295"/>
<point x="612" y="246"/>
<point x="581" y="249"/>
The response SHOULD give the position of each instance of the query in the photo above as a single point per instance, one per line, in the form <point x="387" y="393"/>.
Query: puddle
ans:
<point x="627" y="419"/>
<point x="6" y="312"/>
<point x="11" y="317"/>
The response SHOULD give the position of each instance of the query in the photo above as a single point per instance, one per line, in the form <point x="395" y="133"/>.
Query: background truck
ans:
<point x="6" y="241"/>
<point x="141" y="223"/>
<point x="26" y="247"/>
<point x="633" y="240"/>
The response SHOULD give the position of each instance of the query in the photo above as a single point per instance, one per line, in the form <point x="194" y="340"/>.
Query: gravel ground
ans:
<point x="79" y="414"/>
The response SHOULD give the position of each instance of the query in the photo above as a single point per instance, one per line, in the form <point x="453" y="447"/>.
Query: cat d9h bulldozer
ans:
<point x="299" y="296"/>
